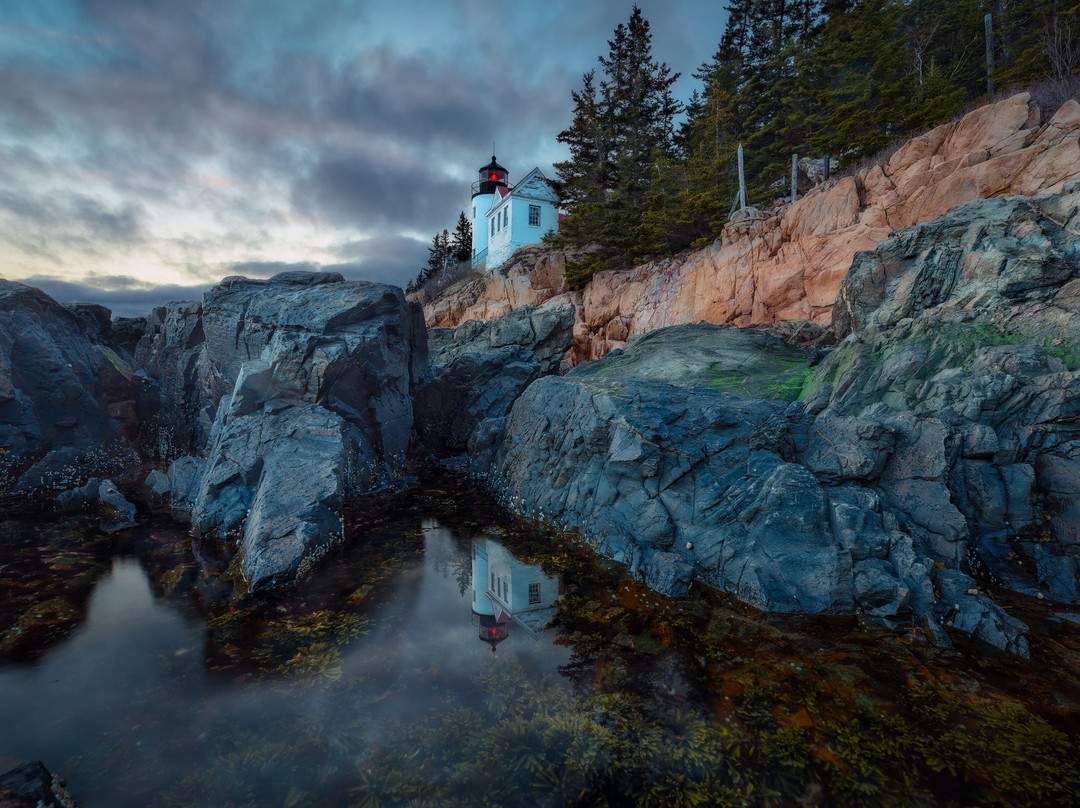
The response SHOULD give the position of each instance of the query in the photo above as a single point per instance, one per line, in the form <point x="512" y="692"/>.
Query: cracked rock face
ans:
<point x="65" y="388"/>
<point x="301" y="390"/>
<point x="479" y="370"/>
<point x="936" y="447"/>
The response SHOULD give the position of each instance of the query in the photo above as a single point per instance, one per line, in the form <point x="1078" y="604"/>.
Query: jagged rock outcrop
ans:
<point x="934" y="450"/>
<point x="666" y="473"/>
<point x="31" y="785"/>
<point x="103" y="498"/>
<point x="60" y="383"/>
<point x="787" y="263"/>
<point x="301" y="387"/>
<point x="969" y="326"/>
<point x="479" y="370"/>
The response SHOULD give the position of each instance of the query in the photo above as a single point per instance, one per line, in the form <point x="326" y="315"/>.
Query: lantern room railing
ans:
<point x="488" y="186"/>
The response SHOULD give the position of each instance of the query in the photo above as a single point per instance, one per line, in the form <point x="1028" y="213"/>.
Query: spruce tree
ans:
<point x="438" y="255"/>
<point x="583" y="178"/>
<point x="461" y="241"/>
<point x="618" y="137"/>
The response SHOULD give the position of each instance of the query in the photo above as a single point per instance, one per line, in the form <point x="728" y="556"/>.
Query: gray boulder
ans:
<point x="103" y="498"/>
<point x="185" y="482"/>
<point x="52" y="401"/>
<point x="156" y="490"/>
<point x="31" y="785"/>
<point x="301" y="389"/>
<point x="645" y="469"/>
<point x="80" y="498"/>
<point x="977" y="615"/>
<point x="116" y="512"/>
<point x="277" y="481"/>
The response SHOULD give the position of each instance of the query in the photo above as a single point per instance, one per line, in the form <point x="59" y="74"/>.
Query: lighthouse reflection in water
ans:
<point x="509" y="595"/>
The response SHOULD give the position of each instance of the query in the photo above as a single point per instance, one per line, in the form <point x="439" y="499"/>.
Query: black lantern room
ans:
<point x="492" y="631"/>
<point x="491" y="176"/>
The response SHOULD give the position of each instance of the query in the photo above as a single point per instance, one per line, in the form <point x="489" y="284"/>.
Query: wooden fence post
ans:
<point x="742" y="181"/>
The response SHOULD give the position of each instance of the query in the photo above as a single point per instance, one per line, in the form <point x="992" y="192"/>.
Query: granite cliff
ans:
<point x="933" y="453"/>
<point x="787" y="262"/>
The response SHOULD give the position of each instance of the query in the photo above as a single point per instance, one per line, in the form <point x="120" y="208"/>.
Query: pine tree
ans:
<point x="461" y="241"/>
<point x="438" y="255"/>
<point x="618" y="137"/>
<point x="583" y="178"/>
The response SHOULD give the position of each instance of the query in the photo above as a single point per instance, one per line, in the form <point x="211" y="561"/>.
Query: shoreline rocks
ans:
<point x="31" y="785"/>
<point x="936" y="441"/>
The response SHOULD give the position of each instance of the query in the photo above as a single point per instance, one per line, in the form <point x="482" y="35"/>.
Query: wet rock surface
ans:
<point x="58" y="376"/>
<point x="31" y="785"/>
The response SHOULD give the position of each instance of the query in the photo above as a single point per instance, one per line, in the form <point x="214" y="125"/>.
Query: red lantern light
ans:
<point x="494" y="177"/>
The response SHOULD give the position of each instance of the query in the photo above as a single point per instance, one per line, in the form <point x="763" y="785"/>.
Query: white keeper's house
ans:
<point x="505" y="217"/>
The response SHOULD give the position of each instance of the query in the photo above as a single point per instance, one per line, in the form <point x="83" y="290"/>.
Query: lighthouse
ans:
<point x="492" y="177"/>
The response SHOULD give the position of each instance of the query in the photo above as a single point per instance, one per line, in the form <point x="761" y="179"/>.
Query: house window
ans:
<point x="534" y="215"/>
<point x="534" y="593"/>
<point x="493" y="582"/>
<point x="506" y="591"/>
<point x="498" y="223"/>
<point x="474" y="212"/>
<point x="506" y="217"/>
<point x="491" y="229"/>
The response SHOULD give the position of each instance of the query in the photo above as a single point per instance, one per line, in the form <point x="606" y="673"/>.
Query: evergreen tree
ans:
<point x="438" y="255"/>
<point x="618" y="137"/>
<point x="461" y="241"/>
<point x="807" y="77"/>
<point x="583" y="178"/>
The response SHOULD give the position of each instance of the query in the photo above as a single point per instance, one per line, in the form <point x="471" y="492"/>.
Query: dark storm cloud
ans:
<point x="387" y="259"/>
<point x="375" y="191"/>
<point x="124" y="296"/>
<point x="41" y="224"/>
<point x="346" y="117"/>
<point x="165" y="101"/>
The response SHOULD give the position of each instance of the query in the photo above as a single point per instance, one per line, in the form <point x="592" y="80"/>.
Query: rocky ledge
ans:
<point x="933" y="452"/>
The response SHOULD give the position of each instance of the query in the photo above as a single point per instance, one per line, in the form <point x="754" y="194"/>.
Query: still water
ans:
<point x="451" y="655"/>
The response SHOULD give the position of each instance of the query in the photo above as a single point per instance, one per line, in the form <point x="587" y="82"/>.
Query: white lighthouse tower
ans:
<point x="492" y="177"/>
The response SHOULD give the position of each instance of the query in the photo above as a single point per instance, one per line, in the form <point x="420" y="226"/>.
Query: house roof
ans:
<point x="534" y="186"/>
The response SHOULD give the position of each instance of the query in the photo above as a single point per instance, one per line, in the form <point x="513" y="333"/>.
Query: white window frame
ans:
<point x="534" y="209"/>
<point x="534" y="587"/>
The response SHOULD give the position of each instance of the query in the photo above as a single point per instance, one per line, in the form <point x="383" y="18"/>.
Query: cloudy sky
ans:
<point x="150" y="147"/>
